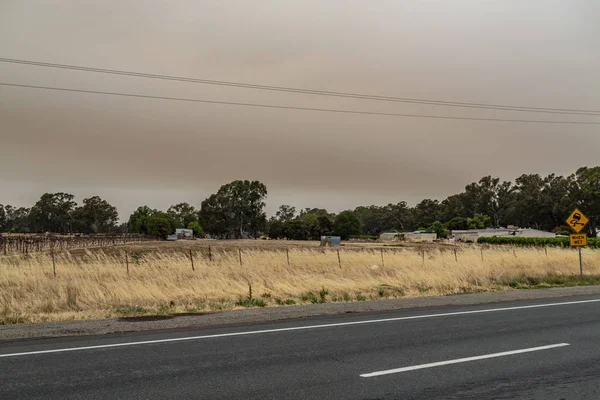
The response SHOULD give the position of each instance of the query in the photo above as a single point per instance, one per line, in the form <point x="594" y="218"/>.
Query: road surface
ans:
<point x="546" y="349"/>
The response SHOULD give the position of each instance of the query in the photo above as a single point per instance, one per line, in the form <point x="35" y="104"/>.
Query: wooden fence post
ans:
<point x="287" y="253"/>
<point x="192" y="260"/>
<point x="339" y="259"/>
<point x="455" y="256"/>
<point x="53" y="262"/>
<point x="209" y="253"/>
<point x="127" y="261"/>
<point x="240" y="252"/>
<point x="382" y="262"/>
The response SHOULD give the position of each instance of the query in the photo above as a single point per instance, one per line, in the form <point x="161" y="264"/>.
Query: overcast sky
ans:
<point x="135" y="151"/>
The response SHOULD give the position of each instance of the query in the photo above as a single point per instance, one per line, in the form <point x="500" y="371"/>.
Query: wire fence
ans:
<point x="26" y="244"/>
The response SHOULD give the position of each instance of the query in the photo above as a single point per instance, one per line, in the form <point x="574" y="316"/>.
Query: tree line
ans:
<point x="236" y="210"/>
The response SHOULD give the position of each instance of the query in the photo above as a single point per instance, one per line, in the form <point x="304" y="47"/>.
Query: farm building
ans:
<point x="471" y="235"/>
<point x="389" y="236"/>
<point x="184" y="233"/>
<point x="330" y="241"/>
<point x="533" y="233"/>
<point x="416" y="236"/>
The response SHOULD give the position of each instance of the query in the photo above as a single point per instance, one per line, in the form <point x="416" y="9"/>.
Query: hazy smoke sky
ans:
<point x="540" y="53"/>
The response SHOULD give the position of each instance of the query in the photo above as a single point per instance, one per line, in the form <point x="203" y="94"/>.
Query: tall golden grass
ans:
<point x="96" y="284"/>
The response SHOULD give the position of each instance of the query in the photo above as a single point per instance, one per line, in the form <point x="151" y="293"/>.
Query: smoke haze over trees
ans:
<point x="237" y="209"/>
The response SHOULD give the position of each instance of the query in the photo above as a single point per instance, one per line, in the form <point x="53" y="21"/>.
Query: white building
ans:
<point x="471" y="235"/>
<point x="416" y="236"/>
<point x="184" y="233"/>
<point x="533" y="233"/>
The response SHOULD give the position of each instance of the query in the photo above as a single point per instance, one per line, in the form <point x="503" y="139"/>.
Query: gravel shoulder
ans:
<point x="261" y="315"/>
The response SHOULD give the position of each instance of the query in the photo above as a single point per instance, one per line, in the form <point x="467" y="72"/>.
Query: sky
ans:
<point x="135" y="151"/>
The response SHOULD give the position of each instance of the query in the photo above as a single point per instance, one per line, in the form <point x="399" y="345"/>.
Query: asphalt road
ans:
<point x="528" y="349"/>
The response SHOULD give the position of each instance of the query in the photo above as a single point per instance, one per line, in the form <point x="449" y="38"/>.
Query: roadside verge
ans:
<point x="262" y="315"/>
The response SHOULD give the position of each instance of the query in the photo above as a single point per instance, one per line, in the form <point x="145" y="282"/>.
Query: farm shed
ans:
<point x="419" y="236"/>
<point x="408" y="236"/>
<point x="533" y="233"/>
<point x="184" y="233"/>
<point x="330" y="241"/>
<point x="471" y="235"/>
<point x="389" y="236"/>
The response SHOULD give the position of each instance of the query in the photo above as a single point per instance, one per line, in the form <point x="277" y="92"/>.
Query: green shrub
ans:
<point x="520" y="241"/>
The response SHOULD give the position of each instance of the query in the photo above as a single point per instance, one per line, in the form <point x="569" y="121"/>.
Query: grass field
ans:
<point x="95" y="283"/>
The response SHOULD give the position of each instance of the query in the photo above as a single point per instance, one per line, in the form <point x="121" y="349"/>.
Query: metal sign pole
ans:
<point x="580" y="264"/>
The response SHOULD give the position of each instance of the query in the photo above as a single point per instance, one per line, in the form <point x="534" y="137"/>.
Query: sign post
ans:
<point x="577" y="221"/>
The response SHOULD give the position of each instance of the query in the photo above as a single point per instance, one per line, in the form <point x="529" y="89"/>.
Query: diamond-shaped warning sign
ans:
<point x="577" y="220"/>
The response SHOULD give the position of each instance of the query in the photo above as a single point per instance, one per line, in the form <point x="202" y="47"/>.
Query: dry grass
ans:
<point x="95" y="283"/>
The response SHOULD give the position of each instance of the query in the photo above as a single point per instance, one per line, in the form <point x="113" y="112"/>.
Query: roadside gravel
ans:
<point x="259" y="315"/>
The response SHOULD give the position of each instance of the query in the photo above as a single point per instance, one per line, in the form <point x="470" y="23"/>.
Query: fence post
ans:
<point x="339" y="259"/>
<point x="546" y="251"/>
<point x="482" y="254"/>
<point x="53" y="262"/>
<point x="209" y="253"/>
<point x="287" y="253"/>
<point x="455" y="256"/>
<point x="127" y="261"/>
<point x="240" y="252"/>
<point x="192" y="260"/>
<point x="382" y="262"/>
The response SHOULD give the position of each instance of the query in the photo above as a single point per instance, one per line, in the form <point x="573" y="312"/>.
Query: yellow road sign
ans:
<point x="578" y="239"/>
<point x="577" y="220"/>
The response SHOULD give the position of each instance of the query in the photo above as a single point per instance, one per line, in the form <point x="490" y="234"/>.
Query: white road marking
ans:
<point x="298" y="328"/>
<point x="461" y="360"/>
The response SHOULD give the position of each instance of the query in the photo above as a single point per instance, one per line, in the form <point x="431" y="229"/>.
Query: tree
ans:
<point x="479" y="221"/>
<point x="400" y="216"/>
<point x="285" y="213"/>
<point x="183" y="214"/>
<point x="95" y="215"/>
<point x="427" y="211"/>
<point x="438" y="228"/>
<point x="236" y="208"/>
<point x="17" y="219"/>
<point x="529" y="203"/>
<point x="195" y="226"/>
<point x="586" y="191"/>
<point x="346" y="224"/>
<point x="52" y="213"/>
<point x="160" y="224"/>
<point x="374" y="219"/>
<point x="457" y="223"/>
<point x="3" y="227"/>
<point x="295" y="229"/>
<point x="276" y="228"/>
<point x="138" y="221"/>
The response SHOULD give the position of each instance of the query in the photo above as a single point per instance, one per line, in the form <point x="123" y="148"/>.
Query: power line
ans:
<point x="275" y="106"/>
<point x="308" y="91"/>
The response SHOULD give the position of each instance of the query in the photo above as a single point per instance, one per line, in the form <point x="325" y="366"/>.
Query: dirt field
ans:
<point x="158" y="277"/>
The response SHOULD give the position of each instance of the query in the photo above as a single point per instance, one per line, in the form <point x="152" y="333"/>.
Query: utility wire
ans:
<point x="282" y="107"/>
<point x="309" y="91"/>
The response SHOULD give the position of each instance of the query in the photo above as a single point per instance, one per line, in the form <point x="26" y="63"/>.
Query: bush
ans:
<point x="161" y="225"/>
<point x="520" y="241"/>
<point x="197" y="228"/>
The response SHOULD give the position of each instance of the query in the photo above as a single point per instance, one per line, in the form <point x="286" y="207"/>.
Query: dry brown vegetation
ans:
<point x="95" y="283"/>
